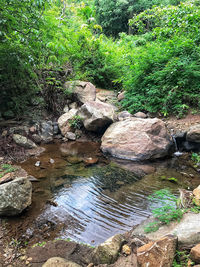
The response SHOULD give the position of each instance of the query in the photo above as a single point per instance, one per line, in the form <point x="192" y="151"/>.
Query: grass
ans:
<point x="6" y="168"/>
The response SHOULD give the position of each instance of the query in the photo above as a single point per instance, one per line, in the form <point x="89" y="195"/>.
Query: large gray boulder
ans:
<point x="193" y="135"/>
<point x="15" y="196"/>
<point x="63" y="121"/>
<point x="83" y="91"/>
<point x="97" y="115"/>
<point x="187" y="230"/>
<point x="137" y="139"/>
<point x="23" y="141"/>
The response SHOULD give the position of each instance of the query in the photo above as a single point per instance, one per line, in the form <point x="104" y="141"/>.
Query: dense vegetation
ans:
<point x="155" y="57"/>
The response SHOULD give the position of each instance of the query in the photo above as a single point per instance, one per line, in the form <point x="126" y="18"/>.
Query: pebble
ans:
<point x="126" y="250"/>
<point x="52" y="161"/>
<point x="37" y="164"/>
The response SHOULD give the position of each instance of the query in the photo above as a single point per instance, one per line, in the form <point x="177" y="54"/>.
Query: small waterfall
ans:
<point x="177" y="153"/>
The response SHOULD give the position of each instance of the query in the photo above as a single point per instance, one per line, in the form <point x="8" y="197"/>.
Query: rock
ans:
<point x="196" y="193"/>
<point x="59" y="262"/>
<point x="55" y="128"/>
<point x="137" y="139"/>
<point x="37" y="164"/>
<point x="186" y="238"/>
<point x="71" y="136"/>
<point x="123" y="115"/>
<point x="66" y="109"/>
<point x="36" y="138"/>
<point x="141" y="115"/>
<point x="193" y="135"/>
<point x="83" y="91"/>
<point x="90" y="161"/>
<point x="15" y="196"/>
<point x="22" y="130"/>
<point x="121" y="96"/>
<point x="126" y="250"/>
<point x="23" y="141"/>
<point x="128" y="261"/>
<point x="32" y="129"/>
<point x="159" y="253"/>
<point x="6" y="178"/>
<point x="46" y="131"/>
<point x="73" y="105"/>
<point x="63" y="121"/>
<point x="195" y="253"/>
<point x="107" y="252"/>
<point x="97" y="115"/>
<point x="52" y="161"/>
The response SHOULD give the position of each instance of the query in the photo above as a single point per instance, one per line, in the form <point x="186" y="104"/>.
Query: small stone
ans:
<point x="196" y="193"/>
<point x="126" y="250"/>
<point x="141" y="115"/>
<point x="66" y="109"/>
<point x="37" y="164"/>
<point x="32" y="129"/>
<point x="90" y="265"/>
<point x="71" y="136"/>
<point x="52" y="161"/>
<point x="121" y="96"/>
<point x="195" y="253"/>
<point x="4" y="133"/>
<point x="90" y="161"/>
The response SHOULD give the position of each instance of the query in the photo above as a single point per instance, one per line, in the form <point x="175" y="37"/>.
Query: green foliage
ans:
<point x="167" y="210"/>
<point x="164" y="68"/>
<point x="76" y="122"/>
<point x="196" y="158"/>
<point x="182" y="259"/>
<point x="6" y="168"/>
<point x="113" y="15"/>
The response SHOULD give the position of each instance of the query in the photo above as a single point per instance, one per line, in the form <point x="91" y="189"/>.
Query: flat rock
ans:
<point x="187" y="230"/>
<point x="15" y="196"/>
<point x="23" y="141"/>
<point x="137" y="139"/>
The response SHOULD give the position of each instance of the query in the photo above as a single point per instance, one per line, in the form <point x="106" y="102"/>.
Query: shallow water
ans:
<point x="90" y="203"/>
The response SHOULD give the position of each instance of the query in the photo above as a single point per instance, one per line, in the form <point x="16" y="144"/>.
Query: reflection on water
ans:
<point x="87" y="204"/>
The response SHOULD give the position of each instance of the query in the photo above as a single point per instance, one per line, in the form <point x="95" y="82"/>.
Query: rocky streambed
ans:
<point x="80" y="195"/>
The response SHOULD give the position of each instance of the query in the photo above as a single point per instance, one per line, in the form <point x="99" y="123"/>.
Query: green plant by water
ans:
<point x="196" y="158"/>
<point x="6" y="168"/>
<point x="76" y="122"/>
<point x="167" y="210"/>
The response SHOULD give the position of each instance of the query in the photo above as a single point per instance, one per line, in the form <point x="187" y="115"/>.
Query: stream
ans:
<point x="88" y="204"/>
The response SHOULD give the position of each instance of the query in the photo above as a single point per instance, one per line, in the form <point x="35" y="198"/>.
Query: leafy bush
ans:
<point x="163" y="75"/>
